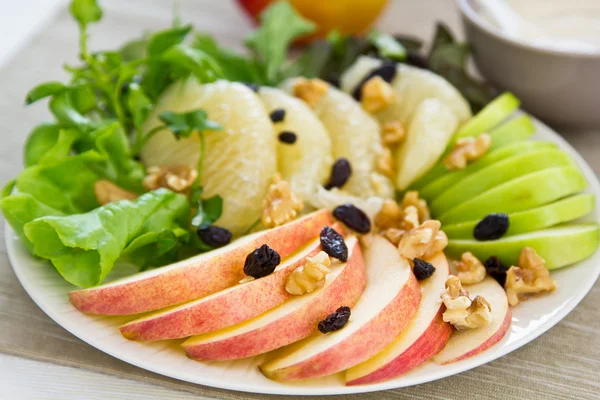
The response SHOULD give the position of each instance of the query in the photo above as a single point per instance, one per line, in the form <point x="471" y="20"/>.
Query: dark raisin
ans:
<point x="214" y="236"/>
<point x="255" y="88"/>
<point x="277" y="115"/>
<point x="333" y="79"/>
<point x="261" y="262"/>
<point x="423" y="269"/>
<point x="335" y="321"/>
<point x="340" y="173"/>
<point x="387" y="72"/>
<point x="491" y="227"/>
<point x="416" y="59"/>
<point x="333" y="244"/>
<point x="288" y="137"/>
<point x="353" y="217"/>
<point x="496" y="269"/>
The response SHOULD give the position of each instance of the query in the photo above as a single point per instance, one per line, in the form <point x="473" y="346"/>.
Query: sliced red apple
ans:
<point x="222" y="309"/>
<point x="426" y="335"/>
<point x="195" y="277"/>
<point x="292" y="321"/>
<point x="469" y="342"/>
<point x="385" y="309"/>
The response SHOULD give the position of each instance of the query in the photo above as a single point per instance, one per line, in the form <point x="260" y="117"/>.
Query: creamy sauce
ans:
<point x="570" y="25"/>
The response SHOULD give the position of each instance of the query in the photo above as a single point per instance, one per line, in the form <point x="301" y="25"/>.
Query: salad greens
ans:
<point x="98" y="132"/>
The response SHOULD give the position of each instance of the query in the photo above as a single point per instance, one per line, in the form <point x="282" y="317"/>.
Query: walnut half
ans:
<point x="281" y="205"/>
<point x="467" y="149"/>
<point x="461" y="311"/>
<point x="178" y="178"/>
<point x="470" y="270"/>
<point x="424" y="241"/>
<point x="310" y="90"/>
<point x="530" y="277"/>
<point x="309" y="277"/>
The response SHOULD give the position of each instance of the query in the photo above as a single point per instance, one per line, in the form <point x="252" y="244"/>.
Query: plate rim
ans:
<point x="447" y="371"/>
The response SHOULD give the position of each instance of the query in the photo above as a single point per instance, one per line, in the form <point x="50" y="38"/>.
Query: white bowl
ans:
<point x="558" y="86"/>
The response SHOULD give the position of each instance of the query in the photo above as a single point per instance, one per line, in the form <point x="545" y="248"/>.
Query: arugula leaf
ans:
<point x="208" y="211"/>
<point x="134" y="49"/>
<point x="200" y="64"/>
<point x="138" y="104"/>
<point x="119" y="167"/>
<point x="40" y="140"/>
<point x="234" y="67"/>
<point x="44" y="90"/>
<point x="388" y="46"/>
<point x="61" y="149"/>
<point x="163" y="40"/>
<point x="65" y="111"/>
<point x="86" y="11"/>
<point x="84" y="247"/>
<point x="183" y="124"/>
<point x="280" y="25"/>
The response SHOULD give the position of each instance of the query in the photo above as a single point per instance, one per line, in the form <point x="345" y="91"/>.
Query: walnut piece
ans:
<point x="391" y="215"/>
<point x="461" y="311"/>
<point x="376" y="95"/>
<point x="281" y="205"/>
<point x="530" y="277"/>
<point x="470" y="269"/>
<point x="411" y="198"/>
<point x="392" y="133"/>
<point x="467" y="149"/>
<point x="385" y="163"/>
<point x="393" y="235"/>
<point x="424" y="241"/>
<point x="310" y="90"/>
<point x="309" y="277"/>
<point x="107" y="192"/>
<point x="178" y="178"/>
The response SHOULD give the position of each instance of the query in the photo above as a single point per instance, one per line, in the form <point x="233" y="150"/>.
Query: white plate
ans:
<point x="530" y="319"/>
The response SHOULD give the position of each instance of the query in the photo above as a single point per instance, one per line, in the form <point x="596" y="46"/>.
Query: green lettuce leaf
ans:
<point x="84" y="247"/>
<point x="161" y="235"/>
<point x="41" y="139"/>
<point x="21" y="208"/>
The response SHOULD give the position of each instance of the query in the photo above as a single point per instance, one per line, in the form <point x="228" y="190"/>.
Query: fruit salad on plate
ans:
<point x="359" y="208"/>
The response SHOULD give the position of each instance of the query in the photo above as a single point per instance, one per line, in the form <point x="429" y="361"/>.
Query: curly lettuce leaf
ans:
<point x="84" y="247"/>
<point x="21" y="208"/>
<point x="66" y="185"/>
<point x="161" y="235"/>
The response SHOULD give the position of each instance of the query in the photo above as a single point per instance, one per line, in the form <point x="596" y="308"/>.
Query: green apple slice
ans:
<point x="560" y="246"/>
<point x="492" y="115"/>
<point x="438" y="186"/>
<point x="528" y="191"/>
<point x="559" y="212"/>
<point x="496" y="174"/>
<point x="515" y="130"/>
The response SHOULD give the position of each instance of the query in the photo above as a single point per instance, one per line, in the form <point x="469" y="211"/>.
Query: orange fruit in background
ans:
<point x="345" y="16"/>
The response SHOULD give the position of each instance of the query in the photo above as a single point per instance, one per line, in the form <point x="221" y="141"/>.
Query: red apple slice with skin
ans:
<point x="385" y="309"/>
<point x="467" y="343"/>
<point x="195" y="277"/>
<point x="292" y="321"/>
<point x="426" y="335"/>
<point x="222" y="309"/>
